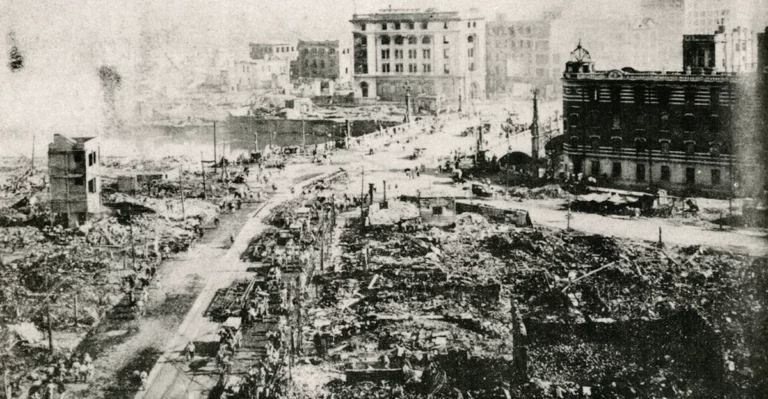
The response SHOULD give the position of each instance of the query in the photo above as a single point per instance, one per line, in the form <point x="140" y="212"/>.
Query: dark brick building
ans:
<point x="318" y="59"/>
<point x="644" y="130"/>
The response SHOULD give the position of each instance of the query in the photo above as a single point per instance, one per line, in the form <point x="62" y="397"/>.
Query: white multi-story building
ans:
<point x="436" y="55"/>
<point x="704" y="17"/>
<point x="260" y="51"/>
<point x="252" y="74"/>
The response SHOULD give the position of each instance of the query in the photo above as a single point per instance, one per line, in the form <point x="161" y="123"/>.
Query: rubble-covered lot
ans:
<point x="72" y="280"/>
<point x="484" y="310"/>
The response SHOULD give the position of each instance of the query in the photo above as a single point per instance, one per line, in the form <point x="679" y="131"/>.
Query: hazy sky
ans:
<point x="64" y="42"/>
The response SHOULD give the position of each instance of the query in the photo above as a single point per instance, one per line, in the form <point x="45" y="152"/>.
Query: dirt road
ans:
<point x="172" y="377"/>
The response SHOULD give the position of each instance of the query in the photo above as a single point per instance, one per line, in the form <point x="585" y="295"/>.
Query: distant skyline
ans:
<point x="64" y="42"/>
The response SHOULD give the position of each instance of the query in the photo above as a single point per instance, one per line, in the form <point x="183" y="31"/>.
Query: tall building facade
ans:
<point x="670" y="130"/>
<point x="73" y="167"/>
<point x="519" y="55"/>
<point x="432" y="54"/>
<point x="704" y="17"/>
<point x="734" y="51"/>
<point x="318" y="59"/>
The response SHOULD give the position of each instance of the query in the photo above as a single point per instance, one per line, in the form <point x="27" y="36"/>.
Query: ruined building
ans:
<point x="73" y="166"/>
<point x="671" y="130"/>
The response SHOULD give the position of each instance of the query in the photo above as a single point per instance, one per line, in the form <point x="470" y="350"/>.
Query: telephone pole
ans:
<point x="535" y="127"/>
<point x="362" y="190"/>
<point x="214" y="149"/>
<point x="181" y="193"/>
<point x="202" y="169"/>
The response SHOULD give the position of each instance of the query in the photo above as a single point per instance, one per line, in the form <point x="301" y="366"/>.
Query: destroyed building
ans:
<point x="73" y="165"/>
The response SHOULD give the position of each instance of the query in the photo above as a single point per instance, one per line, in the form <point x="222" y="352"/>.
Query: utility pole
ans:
<point x="303" y="137"/>
<point x="181" y="193"/>
<point x="48" y="319"/>
<point x="535" y="127"/>
<point x="48" y="311"/>
<point x="362" y="189"/>
<point x="202" y="169"/>
<point x="215" y="160"/>
<point x="133" y="247"/>
<point x="33" y="152"/>
<point x="506" y="168"/>
<point x="76" y="325"/>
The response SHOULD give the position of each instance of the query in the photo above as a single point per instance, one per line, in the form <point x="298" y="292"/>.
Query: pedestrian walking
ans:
<point x="189" y="351"/>
<point x="143" y="378"/>
<point x="140" y="309"/>
<point x="84" y="371"/>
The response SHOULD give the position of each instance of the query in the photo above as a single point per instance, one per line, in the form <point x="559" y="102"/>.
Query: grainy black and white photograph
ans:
<point x="408" y="199"/>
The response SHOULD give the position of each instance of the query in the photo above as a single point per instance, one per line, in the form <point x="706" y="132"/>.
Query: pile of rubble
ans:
<point x="603" y="316"/>
<point x="551" y="191"/>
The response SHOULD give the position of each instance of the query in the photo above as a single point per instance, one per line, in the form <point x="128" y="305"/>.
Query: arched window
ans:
<point x="471" y="39"/>
<point x="574" y="119"/>
<point x="322" y="64"/>
<point x="385" y="40"/>
<point x="314" y="63"/>
<point x="426" y="40"/>
<point x="413" y="40"/>
<point x="399" y="40"/>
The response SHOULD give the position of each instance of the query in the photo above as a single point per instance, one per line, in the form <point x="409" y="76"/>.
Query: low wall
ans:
<point x="243" y="131"/>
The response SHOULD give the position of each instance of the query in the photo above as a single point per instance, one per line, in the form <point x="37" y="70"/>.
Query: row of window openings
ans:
<point x="641" y="146"/>
<point x="640" y="95"/>
<point x="316" y="50"/>
<point x="521" y="44"/>
<point x="264" y="68"/>
<point x="426" y="54"/>
<point x="689" y="123"/>
<point x="512" y="32"/>
<point x="412" y="68"/>
<point x="79" y="158"/>
<point x="412" y="25"/>
<point x="666" y="173"/>
<point x="400" y="40"/>
<point x="80" y="181"/>
<point x="321" y="64"/>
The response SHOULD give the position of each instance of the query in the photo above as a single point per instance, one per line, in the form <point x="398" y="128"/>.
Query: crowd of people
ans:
<point x="50" y="382"/>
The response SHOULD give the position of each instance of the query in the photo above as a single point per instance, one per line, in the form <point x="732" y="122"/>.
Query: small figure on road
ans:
<point x="85" y="370"/>
<point x="143" y="377"/>
<point x="189" y="351"/>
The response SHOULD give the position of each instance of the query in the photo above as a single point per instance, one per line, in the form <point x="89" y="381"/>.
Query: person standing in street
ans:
<point x="189" y="351"/>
